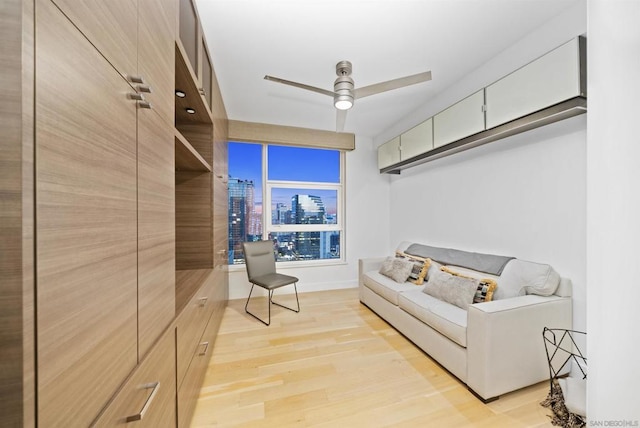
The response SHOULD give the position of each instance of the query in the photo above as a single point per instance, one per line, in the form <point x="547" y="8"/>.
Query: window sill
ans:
<point x="295" y="265"/>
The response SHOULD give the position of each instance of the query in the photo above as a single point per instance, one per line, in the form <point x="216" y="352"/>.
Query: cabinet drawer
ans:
<point x="190" y="325"/>
<point x="189" y="391"/>
<point x="147" y="399"/>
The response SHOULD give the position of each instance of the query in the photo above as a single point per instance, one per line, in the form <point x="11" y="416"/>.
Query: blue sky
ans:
<point x="285" y="163"/>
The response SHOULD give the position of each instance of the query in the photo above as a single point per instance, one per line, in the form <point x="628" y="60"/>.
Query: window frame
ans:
<point x="267" y="218"/>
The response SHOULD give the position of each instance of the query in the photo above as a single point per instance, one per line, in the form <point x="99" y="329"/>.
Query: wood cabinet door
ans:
<point x="156" y="53"/>
<point x="220" y="222"/>
<point x="111" y="26"/>
<point x="148" y="398"/>
<point x="156" y="227"/>
<point x="86" y="243"/>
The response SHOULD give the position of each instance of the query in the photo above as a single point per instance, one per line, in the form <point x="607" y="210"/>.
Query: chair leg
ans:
<point x="283" y="306"/>
<point x="253" y="315"/>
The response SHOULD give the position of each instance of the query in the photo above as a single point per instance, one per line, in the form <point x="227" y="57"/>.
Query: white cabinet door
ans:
<point x="548" y="80"/>
<point x="389" y="153"/>
<point x="417" y="140"/>
<point x="462" y="119"/>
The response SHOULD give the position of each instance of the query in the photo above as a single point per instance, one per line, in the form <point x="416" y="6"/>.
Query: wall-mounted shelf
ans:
<point x="187" y="157"/>
<point x="564" y="110"/>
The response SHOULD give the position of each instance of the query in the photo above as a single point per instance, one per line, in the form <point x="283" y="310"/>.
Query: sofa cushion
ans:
<point x="522" y="277"/>
<point x="485" y="288"/>
<point x="420" y="267"/>
<point x="453" y="289"/>
<point x="386" y="287"/>
<point x="397" y="268"/>
<point x="447" y="319"/>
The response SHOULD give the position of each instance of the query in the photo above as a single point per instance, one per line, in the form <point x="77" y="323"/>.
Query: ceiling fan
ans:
<point x="344" y="94"/>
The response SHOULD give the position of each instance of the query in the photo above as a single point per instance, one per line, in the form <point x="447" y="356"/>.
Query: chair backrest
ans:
<point x="259" y="258"/>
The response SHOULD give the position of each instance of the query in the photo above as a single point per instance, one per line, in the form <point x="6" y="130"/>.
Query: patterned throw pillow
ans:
<point x="396" y="269"/>
<point x="452" y="289"/>
<point x="484" y="290"/>
<point x="420" y="267"/>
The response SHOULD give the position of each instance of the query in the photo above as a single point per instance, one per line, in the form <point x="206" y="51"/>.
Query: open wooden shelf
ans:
<point x="186" y="81"/>
<point x="187" y="157"/>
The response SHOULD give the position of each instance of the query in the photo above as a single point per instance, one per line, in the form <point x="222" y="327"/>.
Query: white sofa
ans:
<point x="494" y="347"/>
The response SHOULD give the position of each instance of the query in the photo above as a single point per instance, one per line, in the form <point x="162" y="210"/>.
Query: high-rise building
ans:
<point x="241" y="212"/>
<point x="308" y="209"/>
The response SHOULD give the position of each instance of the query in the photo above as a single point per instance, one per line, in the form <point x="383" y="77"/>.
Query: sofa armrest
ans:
<point x="505" y="350"/>
<point x="366" y="265"/>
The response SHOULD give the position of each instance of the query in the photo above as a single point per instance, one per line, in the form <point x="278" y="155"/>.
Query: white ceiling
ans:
<point x="302" y="40"/>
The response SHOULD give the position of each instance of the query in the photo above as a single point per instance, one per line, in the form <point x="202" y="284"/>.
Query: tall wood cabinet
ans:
<point x="111" y="214"/>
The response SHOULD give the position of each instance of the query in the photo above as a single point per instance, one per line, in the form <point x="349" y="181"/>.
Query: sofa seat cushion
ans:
<point x="447" y="319"/>
<point x="386" y="287"/>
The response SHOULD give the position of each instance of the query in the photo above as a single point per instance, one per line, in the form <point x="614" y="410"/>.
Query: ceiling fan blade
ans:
<point x="341" y="118"/>
<point x="391" y="84"/>
<point x="299" y="85"/>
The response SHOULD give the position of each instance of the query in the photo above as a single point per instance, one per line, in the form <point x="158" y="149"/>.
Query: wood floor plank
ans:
<point x="337" y="364"/>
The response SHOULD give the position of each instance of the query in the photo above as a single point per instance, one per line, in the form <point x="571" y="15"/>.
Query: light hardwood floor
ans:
<point x="337" y="364"/>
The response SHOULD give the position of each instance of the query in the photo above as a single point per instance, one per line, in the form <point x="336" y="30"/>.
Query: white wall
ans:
<point x="367" y="224"/>
<point x="523" y="196"/>
<point x="613" y="228"/>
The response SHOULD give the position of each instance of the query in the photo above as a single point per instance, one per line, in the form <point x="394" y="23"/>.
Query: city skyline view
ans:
<point x="291" y="201"/>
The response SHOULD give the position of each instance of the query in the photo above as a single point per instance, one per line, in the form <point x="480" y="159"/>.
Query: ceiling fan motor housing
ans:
<point x="343" y="86"/>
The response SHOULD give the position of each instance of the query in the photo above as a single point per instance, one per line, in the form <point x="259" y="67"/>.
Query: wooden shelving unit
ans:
<point x="187" y="157"/>
<point x="186" y="81"/>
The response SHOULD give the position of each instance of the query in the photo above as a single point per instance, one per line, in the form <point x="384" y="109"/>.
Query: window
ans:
<point x="291" y="195"/>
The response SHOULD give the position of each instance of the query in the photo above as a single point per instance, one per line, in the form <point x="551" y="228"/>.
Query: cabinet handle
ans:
<point x="136" y="96"/>
<point x="144" y="88"/>
<point x="144" y="104"/>
<point x="206" y="348"/>
<point x="145" y="407"/>
<point x="203" y="301"/>
<point x="136" y="79"/>
<point x="202" y="91"/>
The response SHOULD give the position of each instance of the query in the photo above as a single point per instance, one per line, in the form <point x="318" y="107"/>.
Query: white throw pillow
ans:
<point x="521" y="277"/>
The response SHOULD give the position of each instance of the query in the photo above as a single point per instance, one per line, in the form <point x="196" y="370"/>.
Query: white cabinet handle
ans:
<point x="144" y="104"/>
<point x="144" y="88"/>
<point x="203" y="301"/>
<point x="136" y="96"/>
<point x="138" y="416"/>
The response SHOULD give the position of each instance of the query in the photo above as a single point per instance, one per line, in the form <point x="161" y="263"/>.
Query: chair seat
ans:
<point x="273" y="280"/>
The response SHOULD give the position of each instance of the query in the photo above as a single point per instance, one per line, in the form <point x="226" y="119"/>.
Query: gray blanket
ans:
<point x="488" y="263"/>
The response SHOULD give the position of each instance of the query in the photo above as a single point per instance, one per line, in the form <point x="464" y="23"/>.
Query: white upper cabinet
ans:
<point x="389" y="153"/>
<point x="462" y="119"/>
<point x="546" y="81"/>
<point x="417" y="140"/>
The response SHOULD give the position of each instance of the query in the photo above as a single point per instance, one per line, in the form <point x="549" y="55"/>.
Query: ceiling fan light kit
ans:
<point x="344" y="93"/>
